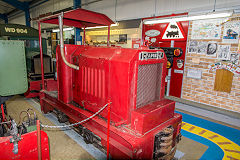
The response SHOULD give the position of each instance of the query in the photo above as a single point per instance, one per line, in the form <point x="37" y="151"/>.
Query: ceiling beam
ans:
<point x="4" y="17"/>
<point x="24" y="6"/>
<point x="17" y="4"/>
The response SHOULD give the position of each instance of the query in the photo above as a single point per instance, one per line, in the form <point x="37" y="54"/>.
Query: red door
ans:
<point x="158" y="35"/>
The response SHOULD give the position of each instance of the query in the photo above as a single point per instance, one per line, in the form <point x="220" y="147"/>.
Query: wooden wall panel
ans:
<point x="223" y="80"/>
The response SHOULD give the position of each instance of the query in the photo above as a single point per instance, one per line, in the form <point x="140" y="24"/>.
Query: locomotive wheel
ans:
<point x="80" y="129"/>
<point x="1" y="131"/>
<point x="87" y="136"/>
<point x="62" y="118"/>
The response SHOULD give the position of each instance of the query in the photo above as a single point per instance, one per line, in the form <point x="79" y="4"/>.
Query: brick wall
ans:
<point x="202" y="90"/>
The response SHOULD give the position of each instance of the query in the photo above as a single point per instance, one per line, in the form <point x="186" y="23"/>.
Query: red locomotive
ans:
<point x="143" y="124"/>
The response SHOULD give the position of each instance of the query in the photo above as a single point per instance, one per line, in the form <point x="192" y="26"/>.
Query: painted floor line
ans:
<point x="231" y="150"/>
<point x="223" y="141"/>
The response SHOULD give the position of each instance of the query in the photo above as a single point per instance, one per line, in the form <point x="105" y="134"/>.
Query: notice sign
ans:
<point x="136" y="42"/>
<point x="173" y="31"/>
<point x="194" y="73"/>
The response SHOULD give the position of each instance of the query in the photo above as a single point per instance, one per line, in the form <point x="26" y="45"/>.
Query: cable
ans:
<point x="20" y="116"/>
<point x="74" y="124"/>
<point x="6" y="122"/>
<point x="214" y="6"/>
<point x="155" y="8"/>
<point x="115" y="11"/>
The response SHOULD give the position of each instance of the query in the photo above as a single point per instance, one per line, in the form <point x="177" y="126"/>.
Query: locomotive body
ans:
<point x="143" y="123"/>
<point x="138" y="123"/>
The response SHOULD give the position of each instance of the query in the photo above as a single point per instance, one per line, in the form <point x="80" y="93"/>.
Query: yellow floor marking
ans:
<point x="231" y="150"/>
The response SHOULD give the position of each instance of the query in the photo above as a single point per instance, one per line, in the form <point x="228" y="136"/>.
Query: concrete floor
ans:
<point x="68" y="144"/>
<point x="62" y="147"/>
<point x="191" y="149"/>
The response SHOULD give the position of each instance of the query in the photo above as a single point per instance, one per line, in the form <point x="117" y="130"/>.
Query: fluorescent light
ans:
<point x="64" y="29"/>
<point x="189" y="18"/>
<point x="112" y="25"/>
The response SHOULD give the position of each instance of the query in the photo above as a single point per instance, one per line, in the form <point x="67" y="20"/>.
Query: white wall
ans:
<point x="131" y="9"/>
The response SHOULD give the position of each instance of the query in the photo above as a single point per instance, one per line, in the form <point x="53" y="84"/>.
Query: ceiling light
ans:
<point x="64" y="29"/>
<point x="112" y="25"/>
<point x="189" y="18"/>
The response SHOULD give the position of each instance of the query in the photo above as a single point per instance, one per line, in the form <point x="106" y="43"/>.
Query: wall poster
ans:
<point x="193" y="46"/>
<point x="223" y="52"/>
<point x="194" y="73"/>
<point x="202" y="47"/>
<point x="234" y="58"/>
<point x="231" y="32"/>
<point x="206" y="29"/>
<point x="212" y="49"/>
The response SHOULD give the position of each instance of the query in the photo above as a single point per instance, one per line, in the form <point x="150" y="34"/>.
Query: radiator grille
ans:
<point x="93" y="82"/>
<point x="148" y="83"/>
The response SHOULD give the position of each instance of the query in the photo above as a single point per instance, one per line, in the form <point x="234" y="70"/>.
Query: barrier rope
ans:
<point x="74" y="124"/>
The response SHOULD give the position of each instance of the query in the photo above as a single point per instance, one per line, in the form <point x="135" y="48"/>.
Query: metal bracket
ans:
<point x="16" y="138"/>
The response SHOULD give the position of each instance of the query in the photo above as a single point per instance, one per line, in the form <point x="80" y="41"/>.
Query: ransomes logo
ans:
<point x="150" y="55"/>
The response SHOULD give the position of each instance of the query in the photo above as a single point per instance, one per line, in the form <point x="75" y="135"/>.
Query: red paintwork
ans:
<point x="108" y="127"/>
<point x="39" y="146"/>
<point x="41" y="53"/>
<point x="125" y="142"/>
<point x="111" y="73"/>
<point x="96" y="80"/>
<point x="27" y="147"/>
<point x="176" y="78"/>
<point x="80" y="18"/>
<point x="36" y="86"/>
<point x="148" y="117"/>
<point x="3" y="114"/>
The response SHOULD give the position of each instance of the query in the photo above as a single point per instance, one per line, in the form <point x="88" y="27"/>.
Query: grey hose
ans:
<point x="60" y="21"/>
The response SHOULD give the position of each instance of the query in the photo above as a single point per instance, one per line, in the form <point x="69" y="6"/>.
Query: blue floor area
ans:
<point x="213" y="152"/>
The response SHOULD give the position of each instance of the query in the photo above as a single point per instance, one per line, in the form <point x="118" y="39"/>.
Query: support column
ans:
<point x="4" y="17"/>
<point x="108" y="38"/>
<point x="27" y="18"/>
<point x="24" y="6"/>
<point x="77" y="4"/>
<point x="41" y="54"/>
